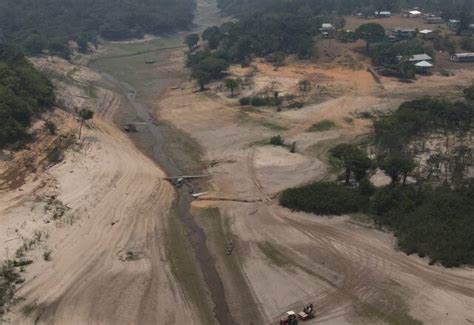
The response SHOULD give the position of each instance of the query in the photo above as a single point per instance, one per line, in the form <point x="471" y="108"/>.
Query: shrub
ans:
<point x="47" y="255"/>
<point x="323" y="198"/>
<point x="277" y="141"/>
<point x="244" y="101"/>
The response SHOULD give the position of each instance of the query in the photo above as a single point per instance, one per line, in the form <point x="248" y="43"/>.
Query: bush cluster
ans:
<point x="324" y="198"/>
<point x="438" y="223"/>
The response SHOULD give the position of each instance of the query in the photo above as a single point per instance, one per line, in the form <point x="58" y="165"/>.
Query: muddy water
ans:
<point x="153" y="139"/>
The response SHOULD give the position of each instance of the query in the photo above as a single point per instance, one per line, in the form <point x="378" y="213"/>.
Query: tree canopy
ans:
<point x="354" y="161"/>
<point x="50" y="24"/>
<point x="24" y="92"/>
<point x="370" y="33"/>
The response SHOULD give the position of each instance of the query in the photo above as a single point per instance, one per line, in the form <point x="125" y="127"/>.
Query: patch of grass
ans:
<point x="273" y="255"/>
<point x="187" y="153"/>
<point x="184" y="266"/>
<point x="28" y="310"/>
<point x="272" y="125"/>
<point x="257" y="143"/>
<point x="397" y="316"/>
<point x="324" y="125"/>
<point x="90" y="90"/>
<point x="250" y="109"/>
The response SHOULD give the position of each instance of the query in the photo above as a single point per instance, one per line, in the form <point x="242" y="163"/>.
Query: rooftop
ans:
<point x="426" y="31"/>
<point x="421" y="57"/>
<point x="424" y="64"/>
<point x="464" y="55"/>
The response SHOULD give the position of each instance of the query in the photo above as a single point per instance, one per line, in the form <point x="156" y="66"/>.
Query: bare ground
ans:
<point x="109" y="262"/>
<point x="350" y="271"/>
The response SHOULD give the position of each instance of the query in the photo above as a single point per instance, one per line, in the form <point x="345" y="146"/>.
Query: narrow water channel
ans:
<point x="154" y="138"/>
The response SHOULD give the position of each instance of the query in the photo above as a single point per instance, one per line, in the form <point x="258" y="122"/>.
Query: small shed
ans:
<point x="423" y="67"/>
<point x="426" y="34"/>
<point x="462" y="57"/>
<point x="414" y="13"/>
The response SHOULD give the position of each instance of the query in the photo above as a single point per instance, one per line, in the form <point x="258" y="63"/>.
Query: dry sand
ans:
<point x="108" y="261"/>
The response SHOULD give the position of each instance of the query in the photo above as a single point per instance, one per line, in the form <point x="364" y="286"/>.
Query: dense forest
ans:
<point x="24" y="93"/>
<point x="425" y="147"/>
<point x="451" y="8"/>
<point x="50" y="24"/>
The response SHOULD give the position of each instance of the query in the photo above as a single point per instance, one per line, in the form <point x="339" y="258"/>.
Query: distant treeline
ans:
<point x="24" y="92"/>
<point x="450" y="8"/>
<point x="50" y="24"/>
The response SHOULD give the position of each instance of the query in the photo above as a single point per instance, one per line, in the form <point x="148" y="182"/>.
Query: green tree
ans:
<point x="85" y="115"/>
<point x="213" y="36"/>
<point x="354" y="161"/>
<point x="397" y="165"/>
<point x="370" y="33"/>
<point x="208" y="69"/>
<point x="232" y="84"/>
<point x="202" y="77"/>
<point x="191" y="41"/>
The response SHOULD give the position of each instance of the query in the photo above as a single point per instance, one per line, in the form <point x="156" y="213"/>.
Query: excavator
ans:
<point x="291" y="318"/>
